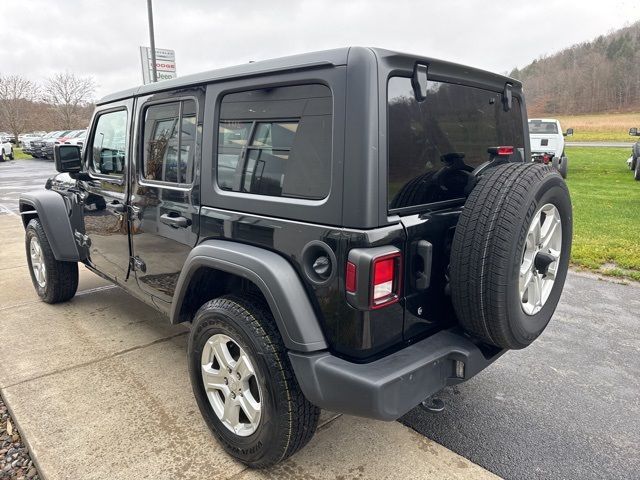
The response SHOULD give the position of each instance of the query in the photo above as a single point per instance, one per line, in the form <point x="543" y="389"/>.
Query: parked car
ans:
<point x="5" y="137"/>
<point x="63" y="137"/>
<point x="634" y="164"/>
<point x="37" y="145"/>
<point x="547" y="143"/>
<point x="328" y="252"/>
<point x="6" y="150"/>
<point x="25" y="138"/>
<point x="77" y="138"/>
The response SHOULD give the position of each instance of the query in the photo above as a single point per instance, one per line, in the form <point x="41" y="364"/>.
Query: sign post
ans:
<point x="165" y="64"/>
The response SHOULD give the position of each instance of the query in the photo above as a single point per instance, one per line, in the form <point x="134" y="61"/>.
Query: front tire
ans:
<point x="54" y="281"/>
<point x="252" y="401"/>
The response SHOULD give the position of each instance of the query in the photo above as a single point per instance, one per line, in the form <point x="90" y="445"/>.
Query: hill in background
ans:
<point x="592" y="77"/>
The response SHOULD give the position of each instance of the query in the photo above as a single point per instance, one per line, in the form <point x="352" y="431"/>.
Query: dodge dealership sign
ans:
<point x="165" y="64"/>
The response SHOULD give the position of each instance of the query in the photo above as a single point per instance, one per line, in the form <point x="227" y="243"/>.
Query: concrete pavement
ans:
<point x="99" y="390"/>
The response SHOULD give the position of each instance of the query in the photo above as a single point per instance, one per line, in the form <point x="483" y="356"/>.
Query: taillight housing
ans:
<point x="373" y="277"/>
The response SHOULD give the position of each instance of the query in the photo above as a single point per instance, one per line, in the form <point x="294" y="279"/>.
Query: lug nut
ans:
<point x="238" y="375"/>
<point x="226" y="381"/>
<point x="229" y="369"/>
<point x="233" y="395"/>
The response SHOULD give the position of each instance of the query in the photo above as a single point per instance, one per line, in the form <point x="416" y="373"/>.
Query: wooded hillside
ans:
<point x="598" y="76"/>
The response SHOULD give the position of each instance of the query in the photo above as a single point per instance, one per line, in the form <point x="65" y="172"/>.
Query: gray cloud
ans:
<point x="101" y="37"/>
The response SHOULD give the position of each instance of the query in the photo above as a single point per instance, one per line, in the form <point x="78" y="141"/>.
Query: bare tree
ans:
<point x="16" y="94"/>
<point x="68" y="94"/>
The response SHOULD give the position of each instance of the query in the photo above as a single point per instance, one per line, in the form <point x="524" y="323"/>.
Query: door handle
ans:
<point x="116" y="206"/>
<point x="175" y="221"/>
<point x="424" y="250"/>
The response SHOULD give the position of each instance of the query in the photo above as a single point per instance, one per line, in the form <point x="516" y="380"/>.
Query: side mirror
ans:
<point x="633" y="132"/>
<point x="67" y="158"/>
<point x="569" y="132"/>
<point x="419" y="82"/>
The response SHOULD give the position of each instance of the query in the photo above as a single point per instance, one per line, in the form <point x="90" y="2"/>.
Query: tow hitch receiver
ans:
<point x="432" y="405"/>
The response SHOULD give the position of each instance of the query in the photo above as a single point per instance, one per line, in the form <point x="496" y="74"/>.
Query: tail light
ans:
<point x="373" y="277"/>
<point x="386" y="280"/>
<point x="502" y="151"/>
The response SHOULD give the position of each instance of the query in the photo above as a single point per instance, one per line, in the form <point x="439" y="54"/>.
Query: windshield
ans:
<point x="537" y="126"/>
<point x="434" y="145"/>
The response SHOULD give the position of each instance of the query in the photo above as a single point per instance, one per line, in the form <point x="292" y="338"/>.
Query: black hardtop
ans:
<point x="335" y="57"/>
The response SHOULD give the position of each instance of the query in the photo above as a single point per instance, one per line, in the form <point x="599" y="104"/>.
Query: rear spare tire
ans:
<point x="510" y="254"/>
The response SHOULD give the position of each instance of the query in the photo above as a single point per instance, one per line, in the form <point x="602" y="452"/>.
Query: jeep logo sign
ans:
<point x="165" y="64"/>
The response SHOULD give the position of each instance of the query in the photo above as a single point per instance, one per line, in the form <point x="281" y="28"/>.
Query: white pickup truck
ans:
<point x="6" y="150"/>
<point x="547" y="143"/>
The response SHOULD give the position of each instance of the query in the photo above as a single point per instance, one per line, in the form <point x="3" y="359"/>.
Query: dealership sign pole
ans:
<point x="152" y="42"/>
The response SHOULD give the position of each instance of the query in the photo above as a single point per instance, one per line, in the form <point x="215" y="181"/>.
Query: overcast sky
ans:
<point x="101" y="37"/>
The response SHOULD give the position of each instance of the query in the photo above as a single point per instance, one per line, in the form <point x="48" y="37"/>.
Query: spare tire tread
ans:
<point x="479" y="286"/>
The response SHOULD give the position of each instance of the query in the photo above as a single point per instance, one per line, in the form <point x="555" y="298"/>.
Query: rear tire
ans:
<point x="54" y="281"/>
<point x="11" y="155"/>
<point x="636" y="172"/>
<point x="286" y="419"/>
<point x="494" y="280"/>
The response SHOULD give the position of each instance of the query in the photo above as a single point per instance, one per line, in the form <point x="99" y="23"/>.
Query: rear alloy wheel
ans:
<point x="244" y="384"/>
<point x="510" y="254"/>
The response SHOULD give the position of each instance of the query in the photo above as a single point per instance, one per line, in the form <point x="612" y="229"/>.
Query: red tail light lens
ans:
<point x="351" y="278"/>
<point x="505" y="151"/>
<point x="386" y="280"/>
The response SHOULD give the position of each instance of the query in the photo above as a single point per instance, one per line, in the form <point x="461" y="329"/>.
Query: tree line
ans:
<point x="62" y="102"/>
<point x="602" y="75"/>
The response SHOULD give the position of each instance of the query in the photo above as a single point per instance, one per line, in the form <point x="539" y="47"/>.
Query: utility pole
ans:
<point x="154" y="73"/>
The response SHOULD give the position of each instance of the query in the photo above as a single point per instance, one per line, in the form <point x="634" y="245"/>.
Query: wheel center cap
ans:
<point x="542" y="262"/>
<point x="234" y="383"/>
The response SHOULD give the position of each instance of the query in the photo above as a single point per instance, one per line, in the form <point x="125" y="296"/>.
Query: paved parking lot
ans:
<point x="99" y="388"/>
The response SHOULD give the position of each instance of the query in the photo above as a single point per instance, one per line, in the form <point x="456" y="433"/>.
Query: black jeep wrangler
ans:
<point x="351" y="230"/>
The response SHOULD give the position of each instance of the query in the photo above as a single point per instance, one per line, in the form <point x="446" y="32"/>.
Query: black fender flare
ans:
<point x="53" y="214"/>
<point x="272" y="274"/>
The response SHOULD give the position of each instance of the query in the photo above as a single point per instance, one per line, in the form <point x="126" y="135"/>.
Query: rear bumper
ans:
<point x="389" y="387"/>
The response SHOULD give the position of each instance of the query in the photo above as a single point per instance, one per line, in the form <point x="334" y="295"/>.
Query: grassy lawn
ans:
<point x="19" y="155"/>
<point x="611" y="127"/>
<point x="606" y="207"/>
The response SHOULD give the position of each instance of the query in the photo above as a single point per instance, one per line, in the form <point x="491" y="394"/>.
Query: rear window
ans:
<point x="434" y="145"/>
<point x="536" y="126"/>
<point x="276" y="142"/>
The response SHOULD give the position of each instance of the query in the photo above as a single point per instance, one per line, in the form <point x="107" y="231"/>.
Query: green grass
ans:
<point x="606" y="209"/>
<point x="20" y="155"/>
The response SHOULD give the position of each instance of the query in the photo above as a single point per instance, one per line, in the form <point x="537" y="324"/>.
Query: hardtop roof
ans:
<point x="335" y="57"/>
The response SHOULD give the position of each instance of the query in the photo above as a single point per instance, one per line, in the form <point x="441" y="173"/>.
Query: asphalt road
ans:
<point x="19" y="176"/>
<point x="566" y="407"/>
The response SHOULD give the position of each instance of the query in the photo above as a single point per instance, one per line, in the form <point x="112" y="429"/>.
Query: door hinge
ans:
<point x="137" y="264"/>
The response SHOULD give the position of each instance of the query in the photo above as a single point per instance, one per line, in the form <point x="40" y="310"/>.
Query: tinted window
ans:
<point x="434" y="145"/>
<point x="108" y="154"/>
<point x="169" y="142"/>
<point x="536" y="126"/>
<point x="276" y="142"/>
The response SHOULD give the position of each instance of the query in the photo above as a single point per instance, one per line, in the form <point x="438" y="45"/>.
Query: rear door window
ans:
<point x="434" y="145"/>
<point x="276" y="142"/>
<point x="169" y="142"/>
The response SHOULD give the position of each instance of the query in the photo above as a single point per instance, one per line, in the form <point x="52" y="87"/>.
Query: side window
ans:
<point x="108" y="155"/>
<point x="169" y="142"/>
<point x="276" y="142"/>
